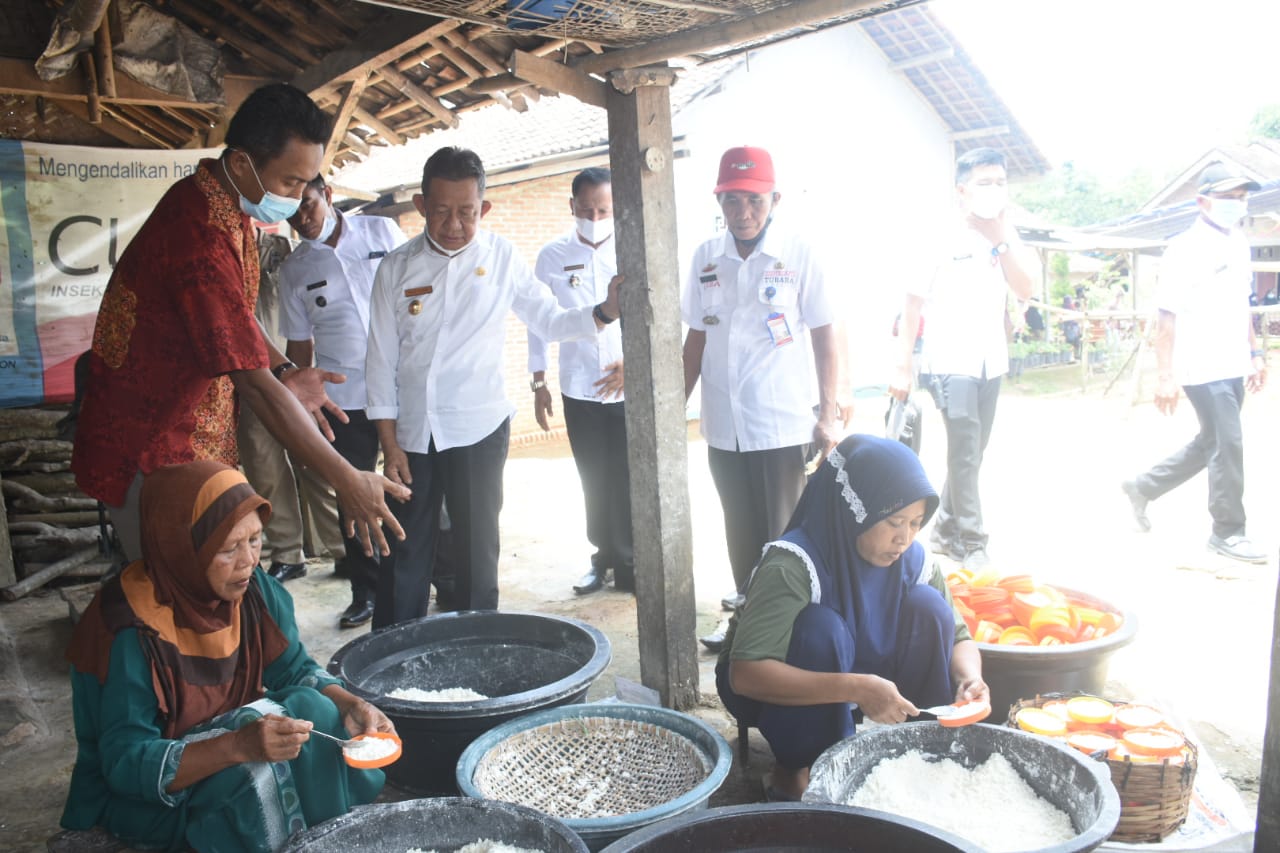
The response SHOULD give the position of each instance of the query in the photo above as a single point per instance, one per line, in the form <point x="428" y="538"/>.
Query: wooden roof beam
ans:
<point x="703" y="39"/>
<point x="18" y="77"/>
<point x="375" y="124"/>
<point x="293" y="46"/>
<point x="343" y="66"/>
<point x="460" y="60"/>
<point x="246" y="46"/>
<point x="346" y="107"/>
<point x="307" y="26"/>
<point x="476" y="52"/>
<point x="109" y="125"/>
<point x="980" y="132"/>
<point x="557" y="76"/>
<point x="413" y="92"/>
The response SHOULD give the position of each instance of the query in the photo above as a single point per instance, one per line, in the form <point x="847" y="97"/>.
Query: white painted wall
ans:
<point x="864" y="167"/>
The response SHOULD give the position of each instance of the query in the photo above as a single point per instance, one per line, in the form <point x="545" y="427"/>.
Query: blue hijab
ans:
<point x="863" y="481"/>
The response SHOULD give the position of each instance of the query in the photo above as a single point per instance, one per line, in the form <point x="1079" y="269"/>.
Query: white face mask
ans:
<point x="1227" y="212"/>
<point x="326" y="230"/>
<point x="595" y="231"/>
<point x="442" y="250"/>
<point x="987" y="201"/>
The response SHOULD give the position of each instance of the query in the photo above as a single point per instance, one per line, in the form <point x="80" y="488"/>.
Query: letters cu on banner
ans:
<point x="68" y="213"/>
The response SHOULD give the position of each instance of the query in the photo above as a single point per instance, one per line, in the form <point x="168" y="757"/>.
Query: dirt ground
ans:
<point x="1053" y="508"/>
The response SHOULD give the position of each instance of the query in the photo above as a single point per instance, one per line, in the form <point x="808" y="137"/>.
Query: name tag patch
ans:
<point x="573" y="267"/>
<point x="781" y="278"/>
<point x="711" y="280"/>
<point x="317" y="285"/>
<point x="418" y="291"/>
<point x="373" y="256"/>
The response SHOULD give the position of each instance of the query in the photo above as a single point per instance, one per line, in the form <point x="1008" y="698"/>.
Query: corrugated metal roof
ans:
<point x="933" y="60"/>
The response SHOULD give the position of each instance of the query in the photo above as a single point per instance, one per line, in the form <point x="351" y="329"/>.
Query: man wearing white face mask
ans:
<point x="966" y="350"/>
<point x="577" y="267"/>
<point x="324" y="292"/>
<point x="1203" y="295"/>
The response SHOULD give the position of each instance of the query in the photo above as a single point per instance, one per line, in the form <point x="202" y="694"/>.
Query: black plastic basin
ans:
<point x="440" y="824"/>
<point x="1066" y="778"/>
<point x="790" y="828"/>
<point x="523" y="661"/>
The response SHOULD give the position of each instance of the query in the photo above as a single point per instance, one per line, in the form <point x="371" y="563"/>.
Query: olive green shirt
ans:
<point x="780" y="588"/>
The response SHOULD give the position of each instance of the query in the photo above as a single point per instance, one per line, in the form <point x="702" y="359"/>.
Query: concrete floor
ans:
<point x="1053" y="506"/>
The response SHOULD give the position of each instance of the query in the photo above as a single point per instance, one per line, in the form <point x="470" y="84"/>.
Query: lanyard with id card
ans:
<point x="779" y="330"/>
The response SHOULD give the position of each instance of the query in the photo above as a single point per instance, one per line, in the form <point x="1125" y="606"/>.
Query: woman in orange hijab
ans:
<point x="193" y="697"/>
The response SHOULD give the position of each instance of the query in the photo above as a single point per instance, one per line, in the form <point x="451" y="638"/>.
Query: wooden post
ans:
<point x="1267" y="832"/>
<point x="640" y="154"/>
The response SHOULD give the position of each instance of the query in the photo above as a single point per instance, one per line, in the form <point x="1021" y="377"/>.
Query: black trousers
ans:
<point x="598" y="437"/>
<point x="357" y="442"/>
<point x="470" y="479"/>
<point x="759" y="489"/>
<point x="1219" y="446"/>
<point x="968" y="407"/>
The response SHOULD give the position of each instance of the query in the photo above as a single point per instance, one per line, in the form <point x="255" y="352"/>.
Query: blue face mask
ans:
<point x="273" y="208"/>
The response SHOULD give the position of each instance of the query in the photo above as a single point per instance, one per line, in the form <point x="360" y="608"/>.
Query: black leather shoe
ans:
<point x="733" y="602"/>
<point x="287" y="571"/>
<point x="592" y="581"/>
<point x="356" y="614"/>
<point x="624" y="581"/>
<point x="714" y="641"/>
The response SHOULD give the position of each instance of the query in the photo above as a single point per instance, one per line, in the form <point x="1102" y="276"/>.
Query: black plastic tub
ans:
<point x="790" y="828"/>
<point x="1069" y="779"/>
<point x="440" y="824"/>
<point x="1021" y="672"/>
<point x="524" y="661"/>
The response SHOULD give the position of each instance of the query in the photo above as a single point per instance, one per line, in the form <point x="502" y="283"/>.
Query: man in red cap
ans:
<point x="753" y="297"/>
<point x="1206" y="279"/>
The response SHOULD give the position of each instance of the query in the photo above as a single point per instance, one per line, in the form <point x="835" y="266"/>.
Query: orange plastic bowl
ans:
<point x="375" y="763"/>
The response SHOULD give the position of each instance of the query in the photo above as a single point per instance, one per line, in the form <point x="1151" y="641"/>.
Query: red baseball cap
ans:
<point x="745" y="169"/>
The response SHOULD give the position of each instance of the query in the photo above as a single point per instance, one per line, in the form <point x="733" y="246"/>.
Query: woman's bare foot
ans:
<point x="785" y="784"/>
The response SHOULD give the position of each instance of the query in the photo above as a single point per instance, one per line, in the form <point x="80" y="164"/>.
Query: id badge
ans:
<point x="779" y="330"/>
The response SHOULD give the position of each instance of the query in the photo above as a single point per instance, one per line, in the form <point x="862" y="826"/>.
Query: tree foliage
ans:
<point x="1076" y="197"/>
<point x="1266" y="123"/>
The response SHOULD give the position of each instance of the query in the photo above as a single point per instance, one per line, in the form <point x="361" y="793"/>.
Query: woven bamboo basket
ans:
<point x="1154" y="798"/>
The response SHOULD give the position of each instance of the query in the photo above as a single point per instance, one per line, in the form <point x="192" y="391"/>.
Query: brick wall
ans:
<point x="529" y="214"/>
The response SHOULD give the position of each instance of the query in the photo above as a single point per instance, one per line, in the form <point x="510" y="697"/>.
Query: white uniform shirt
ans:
<point x="758" y="388"/>
<point x="1205" y="280"/>
<point x="438" y="372"/>
<point x="964" y="310"/>
<point x="578" y="275"/>
<point x="325" y="297"/>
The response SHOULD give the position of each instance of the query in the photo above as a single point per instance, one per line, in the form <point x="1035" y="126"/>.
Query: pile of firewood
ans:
<point x="53" y="529"/>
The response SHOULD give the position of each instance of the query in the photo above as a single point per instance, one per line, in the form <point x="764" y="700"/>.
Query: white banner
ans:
<point x="68" y="214"/>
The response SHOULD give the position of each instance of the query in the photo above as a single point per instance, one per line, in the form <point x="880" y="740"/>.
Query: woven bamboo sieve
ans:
<point x="1154" y="798"/>
<point x="592" y="767"/>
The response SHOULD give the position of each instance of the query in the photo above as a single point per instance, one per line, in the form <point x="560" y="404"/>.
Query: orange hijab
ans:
<point x="207" y="655"/>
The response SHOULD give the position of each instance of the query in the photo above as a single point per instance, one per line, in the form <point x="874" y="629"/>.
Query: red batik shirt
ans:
<point x="176" y="318"/>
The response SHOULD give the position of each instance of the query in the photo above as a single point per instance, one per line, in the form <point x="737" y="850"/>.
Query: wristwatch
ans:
<point x="537" y="385"/>
<point x="999" y="249"/>
<point x="280" y="368"/>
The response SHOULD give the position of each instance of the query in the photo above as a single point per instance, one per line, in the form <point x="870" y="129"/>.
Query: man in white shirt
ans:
<point x="1205" y="283"/>
<point x="966" y="350"/>
<point x="578" y="268"/>
<point x="434" y="378"/>
<point x="755" y="300"/>
<point x="325" y="287"/>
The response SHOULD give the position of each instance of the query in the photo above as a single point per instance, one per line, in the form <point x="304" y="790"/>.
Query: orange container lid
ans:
<point x="1041" y="722"/>
<point x="1057" y="707"/>
<point x="1138" y="716"/>
<point x="1158" y="742"/>
<point x="1090" y="709"/>
<point x="1091" y="741"/>
<point x="1016" y="636"/>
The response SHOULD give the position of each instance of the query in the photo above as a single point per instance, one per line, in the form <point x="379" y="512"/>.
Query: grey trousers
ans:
<point x="759" y="489"/>
<point x="598" y="437"/>
<point x="1219" y="446"/>
<point x="296" y="501"/>
<point x="968" y="407"/>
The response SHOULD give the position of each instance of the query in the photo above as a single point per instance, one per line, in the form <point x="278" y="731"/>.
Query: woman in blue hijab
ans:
<point x="843" y="617"/>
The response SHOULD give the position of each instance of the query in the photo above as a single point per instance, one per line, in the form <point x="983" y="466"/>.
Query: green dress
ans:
<point x="124" y="764"/>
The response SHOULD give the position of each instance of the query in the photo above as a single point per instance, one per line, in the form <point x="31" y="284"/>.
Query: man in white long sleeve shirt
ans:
<point x="434" y="379"/>
<point x="578" y="267"/>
